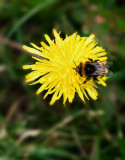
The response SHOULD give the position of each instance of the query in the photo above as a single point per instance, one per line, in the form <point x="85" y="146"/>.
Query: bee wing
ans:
<point x="109" y="73"/>
<point x="108" y="64"/>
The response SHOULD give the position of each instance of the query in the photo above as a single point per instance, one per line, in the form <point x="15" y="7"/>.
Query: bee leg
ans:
<point x="87" y="79"/>
<point x="91" y="60"/>
<point x="95" y="78"/>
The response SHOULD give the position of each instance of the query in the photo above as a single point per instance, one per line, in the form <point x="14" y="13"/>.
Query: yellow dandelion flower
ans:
<point x="59" y="73"/>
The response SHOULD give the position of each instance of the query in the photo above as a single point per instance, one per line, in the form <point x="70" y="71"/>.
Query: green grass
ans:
<point x="30" y="128"/>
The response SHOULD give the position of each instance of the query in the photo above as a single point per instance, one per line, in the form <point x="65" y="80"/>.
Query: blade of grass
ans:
<point x="27" y="16"/>
<point x="65" y="121"/>
<point x="95" y="153"/>
<point x="53" y="151"/>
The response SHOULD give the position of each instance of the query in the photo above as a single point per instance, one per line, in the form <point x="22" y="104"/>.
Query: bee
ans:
<point x="94" y="69"/>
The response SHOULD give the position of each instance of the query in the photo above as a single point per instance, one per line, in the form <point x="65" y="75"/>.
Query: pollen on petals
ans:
<point x="57" y="73"/>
